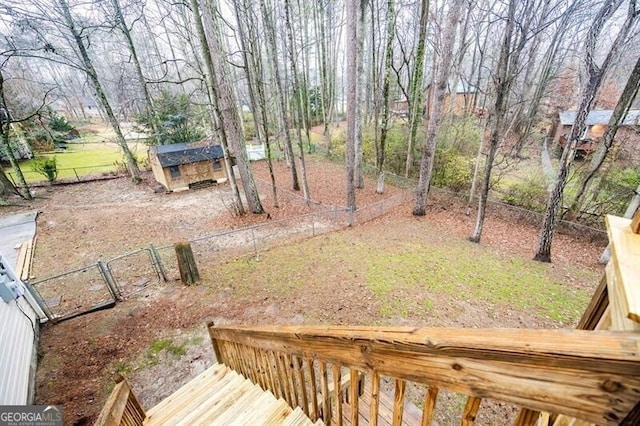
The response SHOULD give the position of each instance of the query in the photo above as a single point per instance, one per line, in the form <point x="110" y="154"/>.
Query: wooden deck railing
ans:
<point x="122" y="407"/>
<point x="589" y="375"/>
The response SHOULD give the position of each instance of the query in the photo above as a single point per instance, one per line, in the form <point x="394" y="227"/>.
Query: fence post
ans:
<point x="76" y="173"/>
<point x="108" y="278"/>
<point x="350" y="209"/>
<point x="39" y="301"/>
<point x="255" y="245"/>
<point x="186" y="263"/>
<point x="313" y="225"/>
<point x="157" y="263"/>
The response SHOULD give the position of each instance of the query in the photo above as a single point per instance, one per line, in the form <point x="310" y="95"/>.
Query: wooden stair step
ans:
<point x="221" y="396"/>
<point x="190" y="395"/>
<point x="297" y="418"/>
<point x="240" y="405"/>
<point x="218" y="402"/>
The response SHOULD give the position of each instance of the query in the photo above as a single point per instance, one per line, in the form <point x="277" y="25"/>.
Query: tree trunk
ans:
<point x="132" y="165"/>
<point x="139" y="75"/>
<point x="297" y="99"/>
<point x="595" y="75"/>
<point x="388" y="60"/>
<point x="503" y="86"/>
<point x="416" y="90"/>
<point x="254" y="68"/>
<point x="227" y="109"/>
<point x="439" y="90"/>
<point x="272" y="51"/>
<point x="352" y="98"/>
<point x="360" y="96"/>
<point x="6" y="186"/>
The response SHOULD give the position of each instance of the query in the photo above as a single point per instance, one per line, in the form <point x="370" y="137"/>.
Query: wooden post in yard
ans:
<point x="186" y="263"/>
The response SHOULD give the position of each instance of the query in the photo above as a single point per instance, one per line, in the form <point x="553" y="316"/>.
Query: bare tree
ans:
<point x="214" y="113"/>
<point x="297" y="99"/>
<point x="91" y="73"/>
<point x="388" y="62"/>
<point x="502" y="82"/>
<point x="272" y="52"/>
<point x="439" y="90"/>
<point x="352" y="78"/>
<point x="6" y="121"/>
<point x="416" y="90"/>
<point x="594" y="77"/>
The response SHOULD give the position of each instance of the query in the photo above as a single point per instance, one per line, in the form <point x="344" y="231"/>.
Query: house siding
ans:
<point x="17" y="340"/>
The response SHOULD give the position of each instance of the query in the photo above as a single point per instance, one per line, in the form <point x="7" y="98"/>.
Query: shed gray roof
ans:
<point x="601" y="116"/>
<point x="182" y="153"/>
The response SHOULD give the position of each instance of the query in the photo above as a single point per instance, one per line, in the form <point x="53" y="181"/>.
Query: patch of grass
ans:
<point x="86" y="159"/>
<point x="163" y="345"/>
<point x="409" y="277"/>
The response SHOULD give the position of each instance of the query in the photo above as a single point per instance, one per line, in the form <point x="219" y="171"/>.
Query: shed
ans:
<point x="181" y="166"/>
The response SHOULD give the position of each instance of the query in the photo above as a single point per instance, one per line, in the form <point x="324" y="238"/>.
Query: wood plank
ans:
<point x="429" y="406"/>
<point x="313" y="389"/>
<point x="255" y="408"/>
<point x="22" y="259"/>
<point x="279" y="415"/>
<point x="598" y="304"/>
<point x="635" y="223"/>
<point x="302" y="386"/>
<point x="619" y="310"/>
<point x="374" y="399"/>
<point x="240" y="405"/>
<point x="354" y="384"/>
<point x="215" y="399"/>
<point x="295" y="402"/>
<point x="625" y="257"/>
<point x="216" y="375"/>
<point x="591" y="375"/>
<point x="470" y="411"/>
<point x="336" y="373"/>
<point x="283" y="374"/>
<point x="113" y="409"/>
<point x="398" y="402"/>
<point x="324" y="388"/>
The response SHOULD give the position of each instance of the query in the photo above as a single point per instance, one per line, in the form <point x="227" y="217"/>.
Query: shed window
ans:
<point x="175" y="171"/>
<point x="217" y="165"/>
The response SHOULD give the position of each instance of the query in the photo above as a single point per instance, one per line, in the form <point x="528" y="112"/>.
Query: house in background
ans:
<point x="463" y="96"/>
<point x="627" y="137"/>
<point x="459" y="99"/>
<point x="181" y="166"/>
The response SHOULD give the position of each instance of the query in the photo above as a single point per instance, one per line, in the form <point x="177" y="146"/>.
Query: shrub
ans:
<point x="529" y="194"/>
<point x="47" y="167"/>
<point x="616" y="190"/>
<point x="59" y="123"/>
<point x="451" y="170"/>
<point x="175" y="120"/>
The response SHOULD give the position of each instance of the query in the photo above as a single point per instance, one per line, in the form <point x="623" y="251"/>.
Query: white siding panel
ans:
<point x="16" y="351"/>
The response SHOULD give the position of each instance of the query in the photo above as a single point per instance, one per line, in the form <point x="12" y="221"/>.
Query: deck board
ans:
<point x="220" y="396"/>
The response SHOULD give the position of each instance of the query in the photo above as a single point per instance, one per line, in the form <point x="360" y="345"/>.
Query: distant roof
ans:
<point x="182" y="153"/>
<point x="601" y="116"/>
<point x="460" y="86"/>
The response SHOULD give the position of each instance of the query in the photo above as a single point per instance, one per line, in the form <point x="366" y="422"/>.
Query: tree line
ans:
<point x="294" y="65"/>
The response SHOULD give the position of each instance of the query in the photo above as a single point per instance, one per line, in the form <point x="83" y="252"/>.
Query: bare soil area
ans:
<point x="158" y="338"/>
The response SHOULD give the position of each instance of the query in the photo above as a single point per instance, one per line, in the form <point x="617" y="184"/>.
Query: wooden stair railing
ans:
<point x="122" y="407"/>
<point x="589" y="375"/>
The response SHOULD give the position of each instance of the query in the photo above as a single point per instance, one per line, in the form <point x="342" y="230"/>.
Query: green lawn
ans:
<point x="409" y="279"/>
<point x="82" y="159"/>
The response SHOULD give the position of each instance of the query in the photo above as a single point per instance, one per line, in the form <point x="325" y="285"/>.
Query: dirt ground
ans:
<point x="158" y="338"/>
